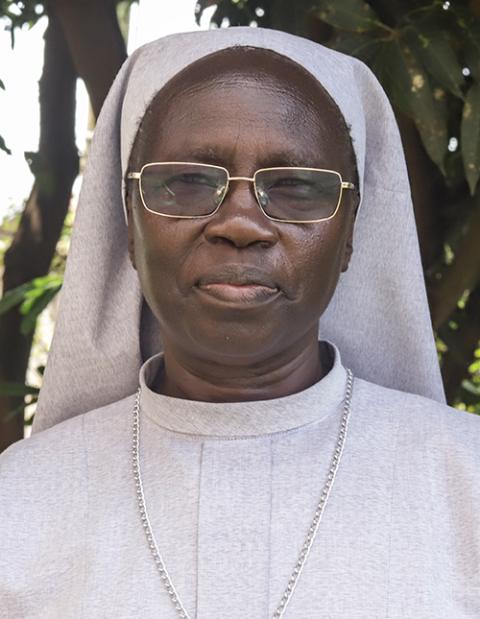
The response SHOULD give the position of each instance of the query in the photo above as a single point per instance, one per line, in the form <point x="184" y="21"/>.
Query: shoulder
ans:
<point x="44" y="500"/>
<point x="59" y="451"/>
<point x="419" y="420"/>
<point x="43" y="478"/>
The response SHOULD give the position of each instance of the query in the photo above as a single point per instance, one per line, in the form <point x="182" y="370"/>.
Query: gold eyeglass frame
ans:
<point x="252" y="179"/>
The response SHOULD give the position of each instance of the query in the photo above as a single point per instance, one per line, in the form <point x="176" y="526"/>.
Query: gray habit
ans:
<point x="231" y="488"/>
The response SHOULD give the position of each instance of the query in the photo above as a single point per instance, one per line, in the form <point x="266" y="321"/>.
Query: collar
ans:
<point x="242" y="419"/>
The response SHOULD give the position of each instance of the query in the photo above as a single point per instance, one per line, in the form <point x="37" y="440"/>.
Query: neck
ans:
<point x="205" y="380"/>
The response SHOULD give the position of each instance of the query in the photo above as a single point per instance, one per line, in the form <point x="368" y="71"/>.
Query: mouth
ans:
<point x="247" y="293"/>
<point x="238" y="286"/>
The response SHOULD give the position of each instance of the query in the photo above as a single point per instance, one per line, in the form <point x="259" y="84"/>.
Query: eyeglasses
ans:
<point x="195" y="190"/>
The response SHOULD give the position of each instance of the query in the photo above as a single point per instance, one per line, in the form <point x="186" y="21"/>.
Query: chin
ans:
<point x="237" y="347"/>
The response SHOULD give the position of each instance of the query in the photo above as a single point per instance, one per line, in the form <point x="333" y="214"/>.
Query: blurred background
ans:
<point x="58" y="59"/>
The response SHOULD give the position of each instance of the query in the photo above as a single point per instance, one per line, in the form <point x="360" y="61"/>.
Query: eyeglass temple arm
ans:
<point x="137" y="175"/>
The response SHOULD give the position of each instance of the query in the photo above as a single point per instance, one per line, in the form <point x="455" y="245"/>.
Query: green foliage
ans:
<point x="418" y="50"/>
<point x="350" y="15"/>
<point x="28" y="392"/>
<point x="471" y="386"/>
<point x="235" y="12"/>
<point x="438" y="57"/>
<point x="33" y="297"/>
<point x="418" y="57"/>
<point x="18" y="389"/>
<point x="470" y="135"/>
<point x="19" y="13"/>
<point x="408" y="85"/>
<point x="426" y="55"/>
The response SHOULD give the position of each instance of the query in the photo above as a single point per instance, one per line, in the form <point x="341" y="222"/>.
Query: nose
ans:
<point x="240" y="221"/>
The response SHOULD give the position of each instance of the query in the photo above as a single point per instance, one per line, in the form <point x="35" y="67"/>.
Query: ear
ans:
<point x="130" y="224"/>
<point x="347" y="255"/>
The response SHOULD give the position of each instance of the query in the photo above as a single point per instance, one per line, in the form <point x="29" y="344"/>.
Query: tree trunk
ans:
<point x="83" y="37"/>
<point x="95" y="42"/>
<point x="427" y="185"/>
<point x="55" y="167"/>
<point x="463" y="274"/>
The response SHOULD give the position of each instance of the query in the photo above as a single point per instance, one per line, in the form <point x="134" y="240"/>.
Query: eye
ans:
<point x="293" y="186"/>
<point x="291" y="181"/>
<point x="192" y="178"/>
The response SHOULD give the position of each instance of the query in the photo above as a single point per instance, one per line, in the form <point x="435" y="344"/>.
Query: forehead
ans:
<point x="257" y="102"/>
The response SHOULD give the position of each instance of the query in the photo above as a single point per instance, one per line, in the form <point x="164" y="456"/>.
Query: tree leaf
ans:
<point x="469" y="386"/>
<point x="361" y="45"/>
<point x="468" y="23"/>
<point x="350" y="15"/>
<point x="408" y="86"/>
<point x="4" y="147"/>
<point x="470" y="136"/>
<point x="28" y="293"/>
<point x="35" y="308"/>
<point x="472" y="50"/>
<point x="37" y="288"/>
<point x="434" y="49"/>
<point x="29" y="421"/>
<point x="13" y="297"/>
<point x="17" y="389"/>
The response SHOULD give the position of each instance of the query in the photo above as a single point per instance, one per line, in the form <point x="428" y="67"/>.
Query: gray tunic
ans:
<point x="231" y="490"/>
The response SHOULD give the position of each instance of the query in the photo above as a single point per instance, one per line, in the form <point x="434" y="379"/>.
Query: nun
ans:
<point x="242" y="414"/>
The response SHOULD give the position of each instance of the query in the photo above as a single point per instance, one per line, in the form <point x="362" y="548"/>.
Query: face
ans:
<point x="237" y="287"/>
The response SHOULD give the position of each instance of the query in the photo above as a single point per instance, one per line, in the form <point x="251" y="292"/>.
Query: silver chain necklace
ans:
<point x="312" y="531"/>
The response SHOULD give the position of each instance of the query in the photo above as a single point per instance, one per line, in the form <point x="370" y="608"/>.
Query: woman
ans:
<point x="252" y="474"/>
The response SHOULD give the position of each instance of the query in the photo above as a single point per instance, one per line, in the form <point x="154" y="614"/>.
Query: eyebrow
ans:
<point x="279" y="158"/>
<point x="205" y="154"/>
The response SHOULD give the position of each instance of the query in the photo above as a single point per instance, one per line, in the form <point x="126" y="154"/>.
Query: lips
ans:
<point x="238" y="284"/>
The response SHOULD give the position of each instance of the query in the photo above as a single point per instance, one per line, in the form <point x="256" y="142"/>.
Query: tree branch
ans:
<point x="463" y="274"/>
<point x="30" y="253"/>
<point x="95" y="42"/>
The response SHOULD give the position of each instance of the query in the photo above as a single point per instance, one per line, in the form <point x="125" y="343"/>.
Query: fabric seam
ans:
<point x="269" y="569"/>
<point x="200" y="476"/>
<point x="399" y="192"/>
<point x="87" y="511"/>
<point x="267" y="435"/>
<point x="394" y="471"/>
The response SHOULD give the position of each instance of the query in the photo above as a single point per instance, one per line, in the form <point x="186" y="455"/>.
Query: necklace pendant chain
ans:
<point x="312" y="531"/>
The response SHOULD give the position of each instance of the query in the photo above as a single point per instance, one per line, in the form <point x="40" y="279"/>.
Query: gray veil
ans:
<point x="378" y="316"/>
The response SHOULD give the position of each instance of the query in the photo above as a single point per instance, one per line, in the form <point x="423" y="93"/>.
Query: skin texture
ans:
<point x="238" y="297"/>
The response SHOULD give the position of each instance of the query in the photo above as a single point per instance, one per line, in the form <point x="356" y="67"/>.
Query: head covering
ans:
<point x="378" y="316"/>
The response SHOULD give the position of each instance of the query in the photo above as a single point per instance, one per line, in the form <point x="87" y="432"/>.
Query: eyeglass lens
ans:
<point x="195" y="190"/>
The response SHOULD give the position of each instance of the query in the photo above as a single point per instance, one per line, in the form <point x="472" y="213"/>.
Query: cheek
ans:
<point x="158" y="255"/>
<point x="319" y="263"/>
